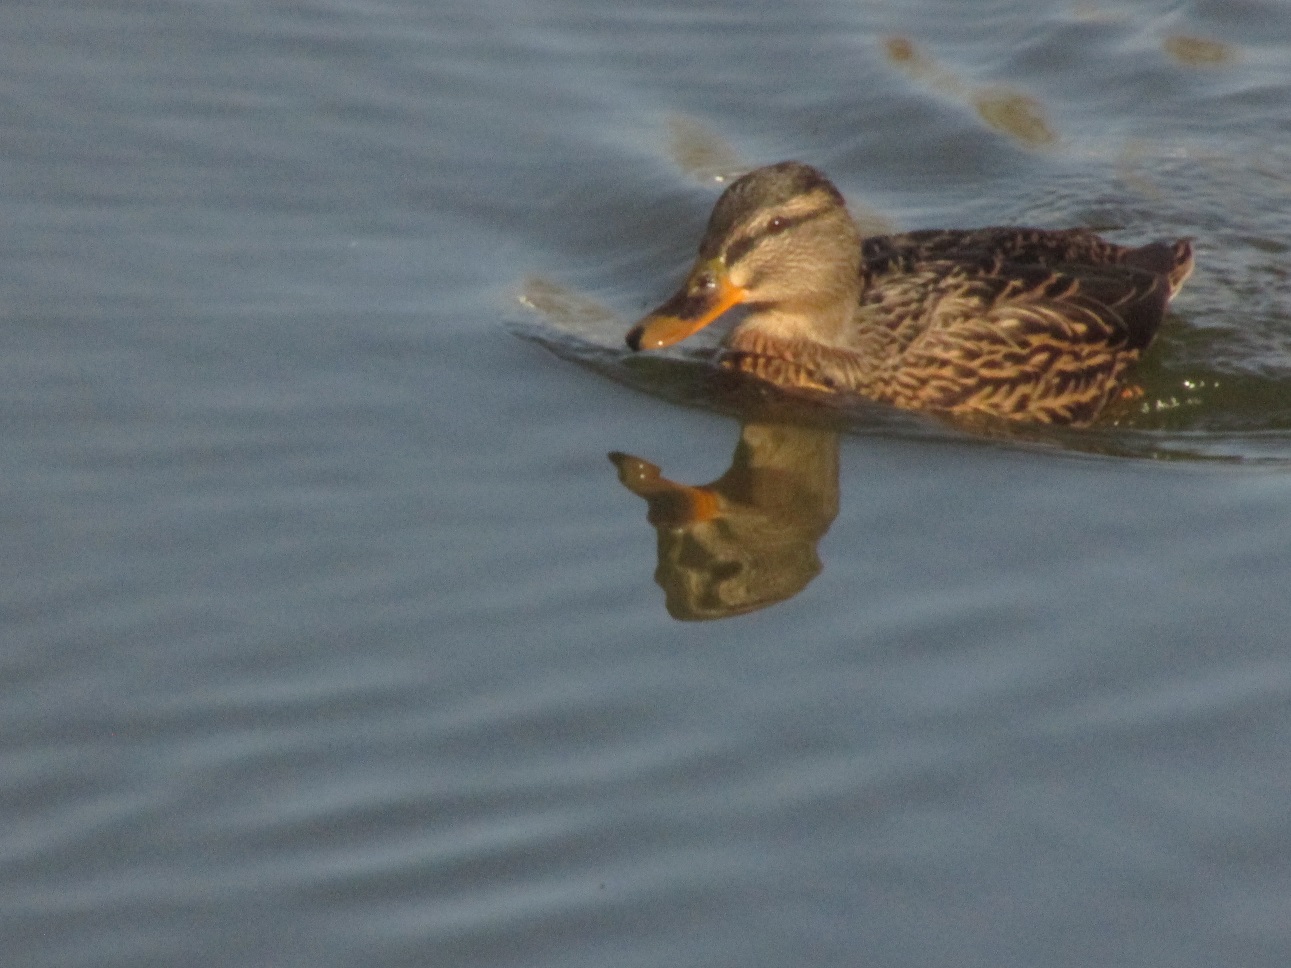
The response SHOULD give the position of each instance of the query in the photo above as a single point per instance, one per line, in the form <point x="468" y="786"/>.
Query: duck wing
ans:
<point x="1027" y="246"/>
<point x="985" y="335"/>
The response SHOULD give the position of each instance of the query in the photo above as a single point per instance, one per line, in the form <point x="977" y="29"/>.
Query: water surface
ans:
<point x="332" y="636"/>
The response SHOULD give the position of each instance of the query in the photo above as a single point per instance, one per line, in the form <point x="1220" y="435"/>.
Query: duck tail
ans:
<point x="1174" y="260"/>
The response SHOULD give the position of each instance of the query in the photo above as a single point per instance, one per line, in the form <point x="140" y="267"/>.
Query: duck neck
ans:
<point x="825" y="322"/>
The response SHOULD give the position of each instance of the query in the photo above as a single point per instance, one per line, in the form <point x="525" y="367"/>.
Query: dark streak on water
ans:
<point x="330" y="635"/>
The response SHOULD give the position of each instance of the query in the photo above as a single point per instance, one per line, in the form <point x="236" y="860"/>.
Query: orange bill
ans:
<point x="706" y="294"/>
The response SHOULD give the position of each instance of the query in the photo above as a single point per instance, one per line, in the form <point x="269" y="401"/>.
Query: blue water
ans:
<point x="331" y="637"/>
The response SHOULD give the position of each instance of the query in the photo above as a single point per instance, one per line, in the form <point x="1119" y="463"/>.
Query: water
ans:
<point x="332" y="636"/>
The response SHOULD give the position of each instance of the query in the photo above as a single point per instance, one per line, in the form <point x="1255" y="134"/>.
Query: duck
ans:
<point x="1025" y="324"/>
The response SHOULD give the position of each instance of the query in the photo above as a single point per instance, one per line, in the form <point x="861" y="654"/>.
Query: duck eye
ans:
<point x="705" y="282"/>
<point x="777" y="225"/>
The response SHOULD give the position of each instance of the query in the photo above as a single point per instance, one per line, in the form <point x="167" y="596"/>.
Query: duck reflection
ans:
<point x="748" y="539"/>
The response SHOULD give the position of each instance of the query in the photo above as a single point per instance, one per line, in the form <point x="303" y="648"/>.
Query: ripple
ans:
<point x="1186" y="411"/>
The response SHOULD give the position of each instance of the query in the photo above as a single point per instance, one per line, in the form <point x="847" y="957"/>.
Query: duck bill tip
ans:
<point x="681" y="316"/>
<point x="657" y="331"/>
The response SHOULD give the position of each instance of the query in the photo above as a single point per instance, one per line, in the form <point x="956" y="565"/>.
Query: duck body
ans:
<point x="1025" y="324"/>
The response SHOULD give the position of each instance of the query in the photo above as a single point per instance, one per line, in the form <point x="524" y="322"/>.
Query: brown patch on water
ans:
<point x="902" y="52"/>
<point x="1017" y="115"/>
<point x="702" y="153"/>
<point x="1003" y="109"/>
<point x="1198" y="51"/>
<point x="572" y="312"/>
<point x="899" y="49"/>
<point x="708" y="157"/>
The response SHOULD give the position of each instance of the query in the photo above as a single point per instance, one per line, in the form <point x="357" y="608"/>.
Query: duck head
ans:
<point x="780" y="242"/>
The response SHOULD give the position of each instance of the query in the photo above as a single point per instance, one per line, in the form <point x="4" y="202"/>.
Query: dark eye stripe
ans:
<point x="738" y="249"/>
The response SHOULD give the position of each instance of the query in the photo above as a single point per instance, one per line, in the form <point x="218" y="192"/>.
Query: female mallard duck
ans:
<point x="1026" y="324"/>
